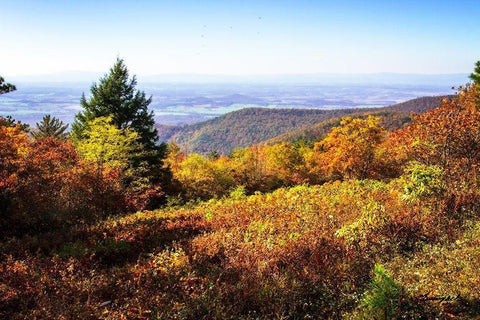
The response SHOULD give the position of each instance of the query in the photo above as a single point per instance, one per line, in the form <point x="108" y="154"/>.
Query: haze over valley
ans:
<point x="180" y="102"/>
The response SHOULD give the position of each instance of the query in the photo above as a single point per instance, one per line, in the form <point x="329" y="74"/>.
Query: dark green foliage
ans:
<point x="50" y="127"/>
<point x="475" y="76"/>
<point x="115" y="96"/>
<point x="382" y="297"/>
<point x="8" y="121"/>
<point x="6" y="87"/>
<point x="213" y="155"/>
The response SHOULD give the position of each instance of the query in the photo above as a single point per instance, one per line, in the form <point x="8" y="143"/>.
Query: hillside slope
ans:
<point x="393" y="117"/>
<point x="254" y="125"/>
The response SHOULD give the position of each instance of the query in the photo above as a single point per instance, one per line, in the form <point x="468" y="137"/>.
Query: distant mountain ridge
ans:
<point x="256" y="125"/>
<point x="392" y="117"/>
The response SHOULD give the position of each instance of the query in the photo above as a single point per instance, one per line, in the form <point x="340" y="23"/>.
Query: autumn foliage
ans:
<point x="47" y="185"/>
<point x="364" y="224"/>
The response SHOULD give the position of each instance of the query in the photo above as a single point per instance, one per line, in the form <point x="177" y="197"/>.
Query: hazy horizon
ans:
<point x="384" y="78"/>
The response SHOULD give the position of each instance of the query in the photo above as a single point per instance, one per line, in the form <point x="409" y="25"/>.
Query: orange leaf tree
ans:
<point x="449" y="137"/>
<point x="350" y="150"/>
<point x="13" y="146"/>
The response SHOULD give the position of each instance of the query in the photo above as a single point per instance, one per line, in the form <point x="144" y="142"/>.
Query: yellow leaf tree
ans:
<point x="105" y="144"/>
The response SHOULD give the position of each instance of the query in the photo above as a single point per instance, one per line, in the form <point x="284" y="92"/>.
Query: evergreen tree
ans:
<point x="6" y="87"/>
<point x="50" y="127"/>
<point x="116" y="97"/>
<point x="475" y="76"/>
<point x="8" y="121"/>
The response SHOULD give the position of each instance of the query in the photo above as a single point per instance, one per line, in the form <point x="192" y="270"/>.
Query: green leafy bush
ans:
<point x="422" y="182"/>
<point x="382" y="296"/>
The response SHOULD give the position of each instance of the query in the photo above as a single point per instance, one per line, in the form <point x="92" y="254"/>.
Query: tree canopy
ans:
<point x="50" y="127"/>
<point x="115" y="95"/>
<point x="6" y="87"/>
<point x="106" y="144"/>
<point x="350" y="150"/>
<point x="475" y="76"/>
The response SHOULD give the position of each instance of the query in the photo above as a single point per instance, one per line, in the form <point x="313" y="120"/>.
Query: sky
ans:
<point x="240" y="37"/>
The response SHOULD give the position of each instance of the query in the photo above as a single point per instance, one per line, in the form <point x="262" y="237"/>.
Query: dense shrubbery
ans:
<point x="287" y="254"/>
<point x="356" y="149"/>
<point x="46" y="185"/>
<point x="364" y="224"/>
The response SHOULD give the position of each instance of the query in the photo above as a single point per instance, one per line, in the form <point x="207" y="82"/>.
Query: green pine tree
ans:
<point x="8" y="121"/>
<point x="382" y="297"/>
<point x="50" y="127"/>
<point x="475" y="76"/>
<point x="116" y="97"/>
<point x="6" y="87"/>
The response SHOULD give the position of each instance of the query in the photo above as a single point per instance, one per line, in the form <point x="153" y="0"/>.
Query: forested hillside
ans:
<point x="392" y="117"/>
<point x="242" y="128"/>
<point x="418" y="105"/>
<point x="250" y="126"/>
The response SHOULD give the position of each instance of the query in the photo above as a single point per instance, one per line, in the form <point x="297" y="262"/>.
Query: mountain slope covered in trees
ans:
<point x="254" y="125"/>
<point x="392" y="117"/>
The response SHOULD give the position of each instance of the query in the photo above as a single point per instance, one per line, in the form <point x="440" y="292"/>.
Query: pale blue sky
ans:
<point x="240" y="37"/>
